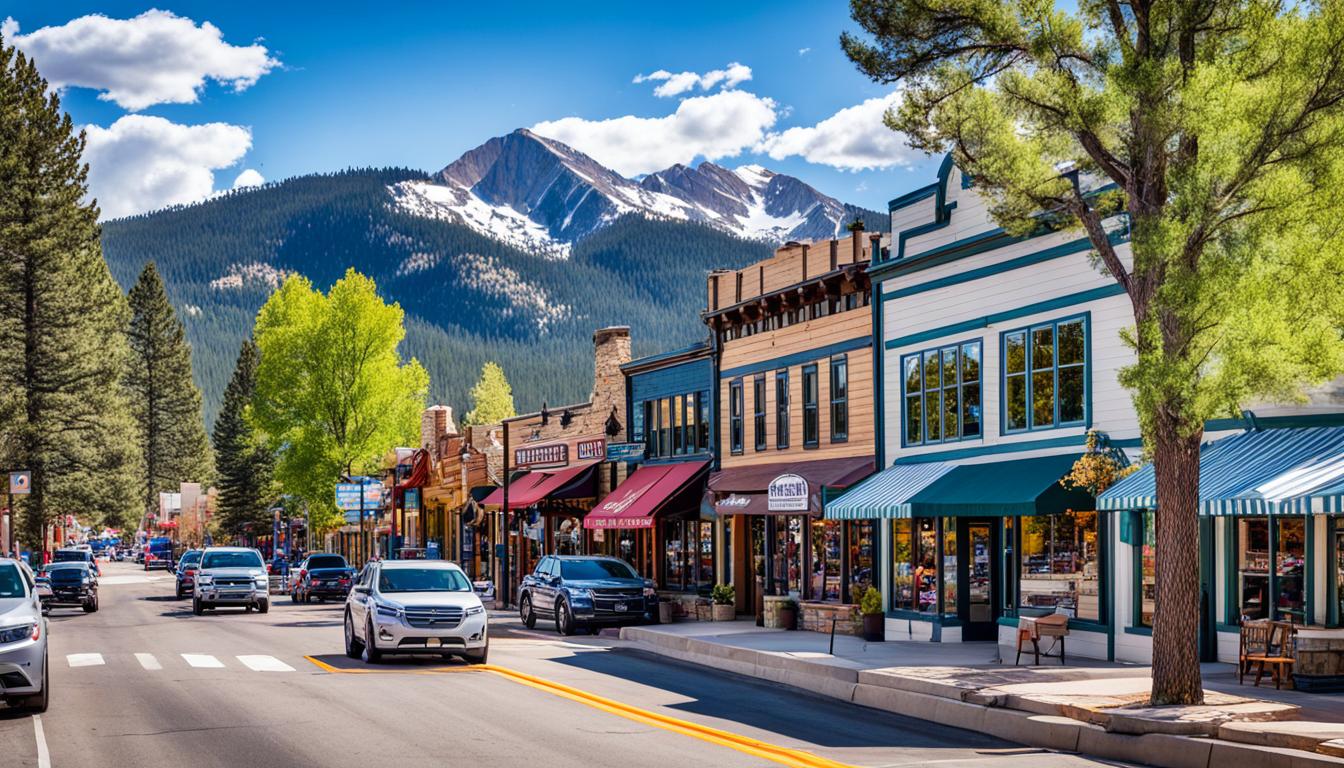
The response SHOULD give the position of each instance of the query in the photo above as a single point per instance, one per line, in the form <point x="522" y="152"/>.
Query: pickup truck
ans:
<point x="231" y="576"/>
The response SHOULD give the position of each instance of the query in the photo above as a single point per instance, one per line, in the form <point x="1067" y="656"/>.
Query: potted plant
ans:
<point x="788" y="614"/>
<point x="724" y="597"/>
<point x="874" y="621"/>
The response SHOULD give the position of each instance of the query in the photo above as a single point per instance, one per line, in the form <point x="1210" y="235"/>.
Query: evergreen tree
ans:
<point x="244" y="464"/>
<point x="63" y="412"/>
<point x="164" y="399"/>
<point x="491" y="398"/>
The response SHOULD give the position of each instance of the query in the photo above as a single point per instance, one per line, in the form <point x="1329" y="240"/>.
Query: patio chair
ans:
<point x="1263" y="644"/>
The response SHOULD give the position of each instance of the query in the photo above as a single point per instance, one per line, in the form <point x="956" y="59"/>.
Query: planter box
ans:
<point x="724" y="612"/>
<point x="817" y="617"/>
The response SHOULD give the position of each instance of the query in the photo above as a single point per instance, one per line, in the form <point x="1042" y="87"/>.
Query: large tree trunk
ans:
<point x="1176" y="676"/>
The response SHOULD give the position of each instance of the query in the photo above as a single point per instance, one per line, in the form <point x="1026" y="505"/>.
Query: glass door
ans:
<point x="1339" y="571"/>
<point x="977" y="565"/>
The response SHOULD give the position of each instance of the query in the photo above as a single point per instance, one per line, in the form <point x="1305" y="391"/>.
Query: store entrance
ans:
<point x="977" y="574"/>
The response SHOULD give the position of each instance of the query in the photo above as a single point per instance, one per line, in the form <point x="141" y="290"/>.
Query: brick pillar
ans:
<point x="611" y="350"/>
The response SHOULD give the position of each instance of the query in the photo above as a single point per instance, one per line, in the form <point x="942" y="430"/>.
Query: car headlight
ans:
<point x="650" y="592"/>
<point x="262" y="583"/>
<point x="580" y="594"/>
<point x="205" y="578"/>
<point x="475" y="610"/>
<point x="21" y="632"/>
<point x="388" y="610"/>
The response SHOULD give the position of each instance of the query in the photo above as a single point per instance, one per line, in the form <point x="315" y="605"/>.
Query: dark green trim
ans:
<point x="1147" y="631"/>
<point x="879" y="423"/>
<point x="1070" y="300"/>
<point x="928" y="618"/>
<point x="1026" y="445"/>
<point x="1233" y="628"/>
<point x="1230" y="597"/>
<point x="1080" y="625"/>
<point x="1309" y="568"/>
<point x="1332" y="527"/>
<point x="910" y="198"/>
<point x="797" y="358"/>
<point x="1276" y="422"/>
<point x="1070" y="248"/>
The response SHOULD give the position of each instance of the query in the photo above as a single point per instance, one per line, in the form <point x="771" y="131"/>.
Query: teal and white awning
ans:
<point x="887" y="493"/>
<point x="1272" y="471"/>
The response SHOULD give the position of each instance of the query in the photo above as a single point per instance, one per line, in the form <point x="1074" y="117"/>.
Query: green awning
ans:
<point x="1002" y="489"/>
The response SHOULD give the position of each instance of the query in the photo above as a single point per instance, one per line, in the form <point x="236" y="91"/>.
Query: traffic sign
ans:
<point x="21" y="483"/>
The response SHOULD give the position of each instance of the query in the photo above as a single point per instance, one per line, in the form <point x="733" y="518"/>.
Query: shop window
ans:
<point x="781" y="409"/>
<point x="678" y="406"/>
<point x="826" y="550"/>
<point x="1271" y="565"/>
<point x="914" y="549"/>
<point x="735" y="415"/>
<point x="758" y="411"/>
<point x="1253" y="567"/>
<point x="727" y="545"/>
<point x="1060" y="565"/>
<point x="637" y="423"/>
<point x="1045" y="376"/>
<point x="702" y="423"/>
<point x="1146" y="567"/>
<point x="788" y="565"/>
<point x="942" y="394"/>
<point x="1290" y="560"/>
<point x="839" y="399"/>
<point x="862" y="543"/>
<point x="811" y="425"/>
<point x="665" y="427"/>
<point x="949" y="565"/>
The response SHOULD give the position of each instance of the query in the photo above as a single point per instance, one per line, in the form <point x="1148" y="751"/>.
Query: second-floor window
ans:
<point x="758" y="411"/>
<point x="735" y="415"/>
<point x="782" y="409"/>
<point x="839" y="399"/>
<point x="676" y="425"/>
<point x="1045" y="376"/>
<point x="811" y="425"/>
<point x="942" y="394"/>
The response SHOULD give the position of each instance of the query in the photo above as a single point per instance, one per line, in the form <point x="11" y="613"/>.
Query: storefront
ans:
<point x="550" y="501"/>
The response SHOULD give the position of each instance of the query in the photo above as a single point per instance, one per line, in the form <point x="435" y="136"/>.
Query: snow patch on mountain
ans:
<point x="523" y="299"/>
<point x="252" y="274"/>
<point x="439" y="201"/>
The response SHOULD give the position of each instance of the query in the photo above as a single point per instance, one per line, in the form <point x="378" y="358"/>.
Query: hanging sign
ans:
<point x="20" y="483"/>
<point x="592" y="450"/>
<point x="787" y="493"/>
<point x="625" y="451"/>
<point x="551" y="455"/>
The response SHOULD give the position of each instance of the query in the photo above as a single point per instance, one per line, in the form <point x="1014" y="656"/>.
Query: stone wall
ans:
<point x="816" y="617"/>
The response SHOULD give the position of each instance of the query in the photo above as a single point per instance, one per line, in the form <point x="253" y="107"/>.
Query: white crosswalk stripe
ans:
<point x="265" y="664"/>
<point x="85" y="659"/>
<point x="148" y="661"/>
<point x="202" y="661"/>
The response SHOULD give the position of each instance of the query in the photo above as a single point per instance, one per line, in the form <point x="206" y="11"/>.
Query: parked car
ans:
<point x="42" y="582"/>
<point x="186" y="572"/>
<point x="321" y="576"/>
<point x="73" y="585"/>
<point x="159" y="553"/>
<point x="578" y="591"/>
<point x="231" y="576"/>
<point x="23" y="639"/>
<point x="415" y="606"/>
<point x="77" y="555"/>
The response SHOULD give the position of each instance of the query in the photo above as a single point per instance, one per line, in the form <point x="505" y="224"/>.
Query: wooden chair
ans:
<point x="1267" y="644"/>
<point x="1055" y="625"/>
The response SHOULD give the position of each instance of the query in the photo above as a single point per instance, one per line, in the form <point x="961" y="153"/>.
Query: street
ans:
<point x="143" y="682"/>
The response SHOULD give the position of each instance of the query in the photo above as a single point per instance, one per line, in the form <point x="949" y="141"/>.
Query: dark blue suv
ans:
<point x="586" y="591"/>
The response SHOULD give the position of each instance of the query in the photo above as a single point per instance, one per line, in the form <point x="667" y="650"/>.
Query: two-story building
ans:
<point x="794" y="343"/>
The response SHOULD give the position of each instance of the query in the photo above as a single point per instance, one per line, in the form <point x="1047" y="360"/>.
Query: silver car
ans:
<point x="231" y="576"/>
<point x="23" y="639"/>
<point x="415" y="606"/>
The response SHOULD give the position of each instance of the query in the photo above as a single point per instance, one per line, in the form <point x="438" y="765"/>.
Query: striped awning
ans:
<point x="1272" y="471"/>
<point x="887" y="493"/>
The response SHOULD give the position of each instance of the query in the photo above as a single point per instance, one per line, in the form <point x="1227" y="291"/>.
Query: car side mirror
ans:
<point x="360" y="589"/>
<point x="555" y="581"/>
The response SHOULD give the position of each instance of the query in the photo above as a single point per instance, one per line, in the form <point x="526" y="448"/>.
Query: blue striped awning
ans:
<point x="887" y="493"/>
<point x="1273" y="471"/>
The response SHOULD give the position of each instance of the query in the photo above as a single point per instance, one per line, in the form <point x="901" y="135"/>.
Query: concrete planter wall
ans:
<point x="817" y="617"/>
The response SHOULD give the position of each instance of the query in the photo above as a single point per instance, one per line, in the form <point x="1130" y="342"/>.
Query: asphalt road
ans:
<point x="144" y="683"/>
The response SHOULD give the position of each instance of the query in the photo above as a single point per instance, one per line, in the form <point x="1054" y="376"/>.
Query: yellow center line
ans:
<point x="796" y="758"/>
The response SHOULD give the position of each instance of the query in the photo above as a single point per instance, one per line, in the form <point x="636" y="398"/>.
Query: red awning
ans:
<point x="743" y="490"/>
<point x="535" y="486"/>
<point x="416" y="479"/>
<point x="635" y="502"/>
<point x="519" y="484"/>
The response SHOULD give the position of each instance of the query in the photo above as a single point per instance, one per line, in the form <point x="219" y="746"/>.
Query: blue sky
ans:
<point x="417" y="83"/>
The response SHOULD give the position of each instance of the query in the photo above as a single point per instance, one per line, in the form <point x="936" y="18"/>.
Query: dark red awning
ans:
<point x="743" y="490"/>
<point x="535" y="486"/>
<point x="634" y="502"/>
<point x="416" y="479"/>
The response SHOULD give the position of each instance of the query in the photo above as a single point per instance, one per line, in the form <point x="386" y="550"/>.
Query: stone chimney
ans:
<point x="611" y="350"/>
<point x="436" y="422"/>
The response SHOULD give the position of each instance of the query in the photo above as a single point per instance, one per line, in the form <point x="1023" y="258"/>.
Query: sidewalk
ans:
<point x="1089" y="706"/>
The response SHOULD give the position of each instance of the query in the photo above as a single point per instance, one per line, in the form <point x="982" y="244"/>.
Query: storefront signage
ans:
<point x="732" y="502"/>
<point x="20" y="483"/>
<point x="787" y="493"/>
<point x="550" y="455"/>
<point x="592" y="450"/>
<point x="348" y="495"/>
<point x="625" y="451"/>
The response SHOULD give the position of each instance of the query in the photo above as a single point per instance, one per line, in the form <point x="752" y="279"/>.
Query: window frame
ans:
<point x="1085" y="318"/>
<point x="839" y="362"/>
<point x="923" y="393"/>
<point x="814" y="407"/>
<point x="760" y="437"/>
<point x="737" y="428"/>
<point x="782" y="406"/>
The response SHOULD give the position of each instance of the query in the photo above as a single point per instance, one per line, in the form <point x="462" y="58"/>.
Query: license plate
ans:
<point x="620" y="607"/>
<point x="433" y="642"/>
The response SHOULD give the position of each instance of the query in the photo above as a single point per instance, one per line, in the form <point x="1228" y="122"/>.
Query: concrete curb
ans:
<point x="956" y="706"/>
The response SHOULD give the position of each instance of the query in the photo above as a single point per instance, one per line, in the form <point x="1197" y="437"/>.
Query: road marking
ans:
<point x="202" y="661"/>
<point x="43" y="756"/>
<point x="85" y="659"/>
<point x="148" y="661"/>
<point x="265" y="664"/>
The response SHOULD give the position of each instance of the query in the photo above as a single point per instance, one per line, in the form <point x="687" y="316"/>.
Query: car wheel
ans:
<point x="564" y="620"/>
<point x="525" y="611"/>
<point x="293" y="596"/>
<point x="37" y="703"/>
<point x="91" y="605"/>
<point x="480" y="657"/>
<point x="179" y="593"/>
<point x="247" y="608"/>
<point x="371" y="653"/>
<point x="196" y="607"/>
<point x="322" y="600"/>
<point x="352" y="644"/>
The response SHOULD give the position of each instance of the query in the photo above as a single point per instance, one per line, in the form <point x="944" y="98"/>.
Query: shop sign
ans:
<point x="787" y="493"/>
<point x="348" y="495"/>
<point x="20" y="483"/>
<point x="551" y="455"/>
<point x="592" y="450"/>
<point x="732" y="502"/>
<point x="625" y="451"/>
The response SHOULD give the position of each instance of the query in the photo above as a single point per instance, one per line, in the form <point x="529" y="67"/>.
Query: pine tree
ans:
<point x="63" y="412"/>
<point x="491" y="398"/>
<point x="244" y="464"/>
<point x="165" y="401"/>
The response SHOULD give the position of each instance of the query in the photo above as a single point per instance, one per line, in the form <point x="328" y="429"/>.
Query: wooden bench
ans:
<point x="1263" y="644"/>
<point x="1055" y="625"/>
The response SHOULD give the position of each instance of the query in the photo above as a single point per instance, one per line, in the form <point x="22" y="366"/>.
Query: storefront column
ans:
<point x="885" y="553"/>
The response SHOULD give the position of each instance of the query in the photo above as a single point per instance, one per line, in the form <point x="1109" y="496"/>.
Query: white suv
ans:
<point x="415" y="606"/>
<point x="231" y="576"/>
<point x="23" y="639"/>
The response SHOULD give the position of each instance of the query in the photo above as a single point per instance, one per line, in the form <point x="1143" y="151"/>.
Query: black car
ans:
<point x="586" y="591"/>
<point x="321" y="576"/>
<point x="73" y="555"/>
<point x="187" y="565"/>
<point x="73" y="585"/>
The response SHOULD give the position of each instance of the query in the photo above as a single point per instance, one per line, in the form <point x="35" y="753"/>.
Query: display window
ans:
<point x="1059" y="565"/>
<point x="862" y="543"/>
<point x="826" y="560"/>
<point x="914" y="565"/>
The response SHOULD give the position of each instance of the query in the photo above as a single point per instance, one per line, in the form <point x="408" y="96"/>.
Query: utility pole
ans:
<point x="502" y="595"/>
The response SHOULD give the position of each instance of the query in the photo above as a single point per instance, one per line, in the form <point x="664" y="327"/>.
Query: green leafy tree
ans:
<point x="1213" y="131"/>
<point x="243" y="460"/>
<point x="491" y="397"/>
<point x="333" y="394"/>
<point x="63" y="412"/>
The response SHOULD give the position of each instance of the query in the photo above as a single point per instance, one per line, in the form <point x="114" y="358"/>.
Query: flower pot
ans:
<point x="724" y="612"/>
<point x="788" y="617"/>
<point x="874" y="627"/>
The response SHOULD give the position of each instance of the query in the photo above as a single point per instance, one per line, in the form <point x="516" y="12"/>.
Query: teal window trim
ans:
<point x="1031" y="370"/>
<point x="737" y="418"/>
<point x="966" y="326"/>
<point x="959" y="388"/>
<point x="758" y="415"/>
<point x="1308" y="571"/>
<point x="1147" y="631"/>
<point x="1232" y="569"/>
<point x="813" y="406"/>
<point x="1232" y="628"/>
<point x="1143" y="522"/>
<point x="1063" y="250"/>
<point x="1332" y="528"/>
<point x="1231" y="601"/>
<point x="839" y="405"/>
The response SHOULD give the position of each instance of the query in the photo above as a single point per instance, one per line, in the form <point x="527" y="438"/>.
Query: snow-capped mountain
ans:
<point x="541" y="195"/>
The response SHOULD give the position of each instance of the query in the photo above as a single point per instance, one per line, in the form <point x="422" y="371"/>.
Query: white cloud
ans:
<point x="677" y="83"/>
<point x="248" y="178"/>
<point x="804" y="51"/>
<point x="853" y="139"/>
<point x="141" y="163"/>
<point x="154" y="58"/>
<point x="715" y="126"/>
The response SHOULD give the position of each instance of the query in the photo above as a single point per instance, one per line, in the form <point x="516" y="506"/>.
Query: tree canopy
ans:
<point x="243" y="460"/>
<point x="491" y="397"/>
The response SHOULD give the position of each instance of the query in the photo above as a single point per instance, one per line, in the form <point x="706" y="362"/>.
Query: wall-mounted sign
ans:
<point x="550" y="455"/>
<point x="625" y="451"/>
<point x="592" y="450"/>
<point x="787" y="493"/>
<point x="732" y="502"/>
<point x="20" y="483"/>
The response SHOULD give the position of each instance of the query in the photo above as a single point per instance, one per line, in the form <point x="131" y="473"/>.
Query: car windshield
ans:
<point x="583" y="570"/>
<point x="190" y="557"/>
<point x="326" y="561"/>
<point x="231" y="560"/>
<point x="68" y="555"/>
<point x="71" y="572"/>
<point x="422" y="580"/>
<point x="11" y="583"/>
